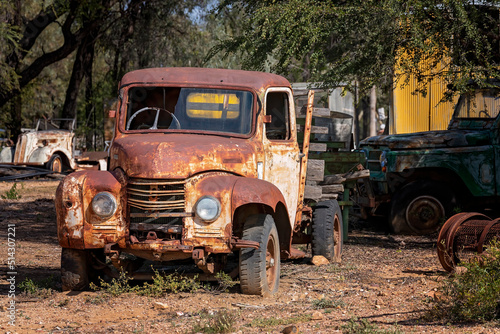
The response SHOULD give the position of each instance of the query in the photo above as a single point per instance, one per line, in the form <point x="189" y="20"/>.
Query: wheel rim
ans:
<point x="56" y="165"/>
<point x="337" y="239"/>
<point x="424" y="214"/>
<point x="271" y="262"/>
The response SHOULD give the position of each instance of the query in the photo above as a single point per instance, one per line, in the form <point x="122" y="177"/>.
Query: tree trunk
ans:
<point x="89" y="103"/>
<point x="17" y="120"/>
<point x="373" y="111"/>
<point x="83" y="60"/>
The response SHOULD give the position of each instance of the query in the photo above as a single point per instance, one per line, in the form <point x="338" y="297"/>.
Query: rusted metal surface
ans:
<point x="159" y="175"/>
<point x="78" y="225"/>
<point x="429" y="139"/>
<point x="207" y="77"/>
<point x="37" y="147"/>
<point x="179" y="156"/>
<point x="463" y="236"/>
<point x="460" y="160"/>
<point x="305" y="152"/>
<point x="52" y="147"/>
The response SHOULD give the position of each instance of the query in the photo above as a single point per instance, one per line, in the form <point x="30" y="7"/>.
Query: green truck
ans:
<point x="420" y="179"/>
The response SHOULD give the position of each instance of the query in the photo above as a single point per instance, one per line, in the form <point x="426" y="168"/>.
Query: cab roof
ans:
<point x="197" y="76"/>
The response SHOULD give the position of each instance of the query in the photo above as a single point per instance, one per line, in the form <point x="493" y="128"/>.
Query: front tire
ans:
<point x="74" y="269"/>
<point x="420" y="207"/>
<point x="327" y="231"/>
<point x="260" y="268"/>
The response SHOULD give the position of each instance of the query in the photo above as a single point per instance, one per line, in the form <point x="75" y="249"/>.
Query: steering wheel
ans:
<point x="155" y="123"/>
<point x="486" y="114"/>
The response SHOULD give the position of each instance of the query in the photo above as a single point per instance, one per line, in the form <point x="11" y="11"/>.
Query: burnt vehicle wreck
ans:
<point x="203" y="163"/>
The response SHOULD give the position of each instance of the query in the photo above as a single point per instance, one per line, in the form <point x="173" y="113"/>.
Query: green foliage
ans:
<point x="340" y="41"/>
<point x="98" y="299"/>
<point x="324" y="303"/>
<point x="116" y="287"/>
<point x="37" y="289"/>
<point x="273" y="322"/>
<point x="37" y="60"/>
<point x="12" y="193"/>
<point x="474" y="294"/>
<point x="363" y="326"/>
<point x="222" y="321"/>
<point x="163" y="284"/>
<point x="225" y="281"/>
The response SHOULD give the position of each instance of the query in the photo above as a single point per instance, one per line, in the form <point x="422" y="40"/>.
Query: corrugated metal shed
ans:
<point x="412" y="112"/>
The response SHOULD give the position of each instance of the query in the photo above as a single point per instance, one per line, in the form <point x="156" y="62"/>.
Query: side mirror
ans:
<point x="112" y="113"/>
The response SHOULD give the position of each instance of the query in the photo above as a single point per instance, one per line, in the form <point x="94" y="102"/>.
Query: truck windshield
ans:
<point x="484" y="103"/>
<point x="195" y="109"/>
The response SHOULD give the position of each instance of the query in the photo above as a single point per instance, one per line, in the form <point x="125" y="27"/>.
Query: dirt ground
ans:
<point x="383" y="279"/>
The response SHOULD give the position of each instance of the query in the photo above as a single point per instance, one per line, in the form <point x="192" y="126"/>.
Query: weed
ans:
<point x="116" y="287"/>
<point x="363" y="326"/>
<point x="225" y="281"/>
<point x="63" y="303"/>
<point x="472" y="295"/>
<point x="273" y="322"/>
<point x="220" y="322"/>
<point x="168" y="283"/>
<point x="327" y="303"/>
<point x="12" y="193"/>
<point x="38" y="289"/>
<point x="96" y="300"/>
<point x="160" y="286"/>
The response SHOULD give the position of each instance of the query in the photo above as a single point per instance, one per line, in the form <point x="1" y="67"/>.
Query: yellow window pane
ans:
<point x="211" y="105"/>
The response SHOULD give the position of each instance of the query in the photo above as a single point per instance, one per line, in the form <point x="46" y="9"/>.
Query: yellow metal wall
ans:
<point x="414" y="113"/>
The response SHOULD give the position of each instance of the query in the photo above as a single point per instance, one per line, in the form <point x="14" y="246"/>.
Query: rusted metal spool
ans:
<point x="463" y="236"/>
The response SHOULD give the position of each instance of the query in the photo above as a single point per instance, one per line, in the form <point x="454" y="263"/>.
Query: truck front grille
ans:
<point x="373" y="160"/>
<point x="156" y="201"/>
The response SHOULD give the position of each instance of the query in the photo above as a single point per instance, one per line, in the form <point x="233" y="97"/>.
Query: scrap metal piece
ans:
<point x="463" y="236"/>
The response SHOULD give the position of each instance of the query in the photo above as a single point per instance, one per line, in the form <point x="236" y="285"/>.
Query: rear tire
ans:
<point x="327" y="231"/>
<point x="55" y="163"/>
<point x="260" y="268"/>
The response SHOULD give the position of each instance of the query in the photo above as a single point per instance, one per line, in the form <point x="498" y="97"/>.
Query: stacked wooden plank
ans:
<point x="328" y="168"/>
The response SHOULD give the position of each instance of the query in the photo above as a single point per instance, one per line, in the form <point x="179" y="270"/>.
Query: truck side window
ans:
<point x="277" y="108"/>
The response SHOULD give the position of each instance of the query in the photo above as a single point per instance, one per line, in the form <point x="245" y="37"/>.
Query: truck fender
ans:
<point x="69" y="211"/>
<point x="254" y="191"/>
<point x="244" y="192"/>
<point x="42" y="155"/>
<point x="7" y="155"/>
<point x="77" y="225"/>
<point x="247" y="190"/>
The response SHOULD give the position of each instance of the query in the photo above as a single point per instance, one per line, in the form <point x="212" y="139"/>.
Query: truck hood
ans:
<point x="179" y="156"/>
<point x="431" y="139"/>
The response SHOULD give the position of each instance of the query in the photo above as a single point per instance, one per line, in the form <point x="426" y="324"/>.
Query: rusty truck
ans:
<point x="419" y="179"/>
<point x="204" y="164"/>
<point x="51" y="144"/>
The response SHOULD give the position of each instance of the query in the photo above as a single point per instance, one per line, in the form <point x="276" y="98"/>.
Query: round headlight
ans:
<point x="207" y="208"/>
<point x="104" y="204"/>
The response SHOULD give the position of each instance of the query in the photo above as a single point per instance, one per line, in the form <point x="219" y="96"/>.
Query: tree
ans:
<point x="87" y="41"/>
<point x="364" y="41"/>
